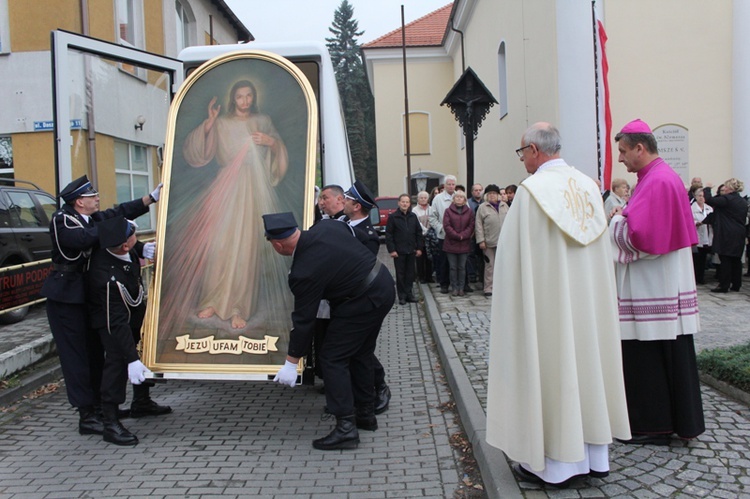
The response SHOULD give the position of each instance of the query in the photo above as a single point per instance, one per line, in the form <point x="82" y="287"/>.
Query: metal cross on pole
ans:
<point x="469" y="101"/>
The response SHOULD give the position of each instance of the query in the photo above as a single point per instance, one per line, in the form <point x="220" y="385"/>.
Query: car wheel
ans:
<point x="14" y="316"/>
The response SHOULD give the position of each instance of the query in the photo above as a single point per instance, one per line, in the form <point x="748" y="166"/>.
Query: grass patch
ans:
<point x="730" y="365"/>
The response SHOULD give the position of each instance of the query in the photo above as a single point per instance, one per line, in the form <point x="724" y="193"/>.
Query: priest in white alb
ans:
<point x="556" y="396"/>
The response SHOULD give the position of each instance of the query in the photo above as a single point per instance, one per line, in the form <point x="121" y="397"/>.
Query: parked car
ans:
<point x="379" y="217"/>
<point x="25" y="213"/>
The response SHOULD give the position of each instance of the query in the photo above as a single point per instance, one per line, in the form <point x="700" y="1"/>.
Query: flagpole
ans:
<point x="406" y="106"/>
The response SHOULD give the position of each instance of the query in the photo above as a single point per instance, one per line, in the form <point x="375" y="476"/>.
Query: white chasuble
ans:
<point x="555" y="373"/>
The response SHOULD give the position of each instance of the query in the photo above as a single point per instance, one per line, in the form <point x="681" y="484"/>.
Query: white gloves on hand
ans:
<point x="287" y="375"/>
<point x="157" y="191"/>
<point x="137" y="371"/>
<point x="148" y="250"/>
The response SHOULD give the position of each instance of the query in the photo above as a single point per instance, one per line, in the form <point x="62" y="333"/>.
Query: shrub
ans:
<point x="730" y="365"/>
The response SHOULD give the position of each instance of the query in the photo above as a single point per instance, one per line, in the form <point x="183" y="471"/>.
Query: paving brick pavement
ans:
<point x="247" y="439"/>
<point x="713" y="465"/>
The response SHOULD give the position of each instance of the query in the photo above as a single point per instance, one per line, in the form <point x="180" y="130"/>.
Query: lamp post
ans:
<point x="469" y="101"/>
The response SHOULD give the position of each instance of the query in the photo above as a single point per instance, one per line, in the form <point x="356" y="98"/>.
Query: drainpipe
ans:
<point x="463" y="58"/>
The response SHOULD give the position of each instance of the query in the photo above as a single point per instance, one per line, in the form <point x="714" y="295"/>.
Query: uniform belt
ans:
<point x="371" y="276"/>
<point x="362" y="287"/>
<point x="67" y="268"/>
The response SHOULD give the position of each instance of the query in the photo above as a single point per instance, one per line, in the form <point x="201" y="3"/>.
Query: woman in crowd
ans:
<point x="730" y="211"/>
<point x="618" y="196"/>
<point x="705" y="233"/>
<point x="422" y="211"/>
<point x="489" y="222"/>
<point x="458" y="223"/>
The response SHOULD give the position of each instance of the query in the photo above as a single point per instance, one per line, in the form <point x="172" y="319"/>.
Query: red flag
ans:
<point x="605" y="114"/>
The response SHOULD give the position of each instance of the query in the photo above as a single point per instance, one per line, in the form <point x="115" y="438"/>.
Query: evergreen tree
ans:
<point x="356" y="97"/>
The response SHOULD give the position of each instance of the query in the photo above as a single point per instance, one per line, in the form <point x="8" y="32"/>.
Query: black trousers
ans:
<point x="405" y="265"/>
<point x="699" y="263"/>
<point x="347" y="359"/>
<point x="319" y="334"/>
<point x="662" y="387"/>
<point x="80" y="351"/>
<point x="730" y="272"/>
<point x="424" y="267"/>
<point x="115" y="372"/>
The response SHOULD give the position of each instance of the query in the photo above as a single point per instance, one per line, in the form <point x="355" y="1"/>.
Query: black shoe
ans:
<point x="401" y="301"/>
<point x="468" y="289"/>
<point x="366" y="419"/>
<point x="344" y="436"/>
<point x="598" y="474"/>
<point x="412" y="299"/>
<point x="647" y="440"/>
<point x="147" y="407"/>
<point x="89" y="422"/>
<point x="734" y="289"/>
<point x="488" y="294"/>
<point x="116" y="433"/>
<point x="382" y="398"/>
<point x="444" y="289"/>
<point x="530" y="477"/>
<point x="719" y="290"/>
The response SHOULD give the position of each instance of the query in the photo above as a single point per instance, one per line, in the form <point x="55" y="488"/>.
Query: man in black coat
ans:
<point x="326" y="265"/>
<point x="404" y="241"/>
<point x="358" y="202"/>
<point x="74" y="233"/>
<point x="117" y="307"/>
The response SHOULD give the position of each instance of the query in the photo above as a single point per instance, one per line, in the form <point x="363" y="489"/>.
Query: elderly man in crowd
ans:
<point x="658" y="301"/>
<point x="555" y="397"/>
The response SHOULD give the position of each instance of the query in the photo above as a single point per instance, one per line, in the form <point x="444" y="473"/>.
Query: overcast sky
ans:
<point x="294" y="20"/>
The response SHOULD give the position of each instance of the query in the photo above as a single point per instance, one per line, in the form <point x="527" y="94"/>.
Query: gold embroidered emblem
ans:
<point x="578" y="203"/>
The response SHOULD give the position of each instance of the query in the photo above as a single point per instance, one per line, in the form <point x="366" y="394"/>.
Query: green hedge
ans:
<point x="731" y="365"/>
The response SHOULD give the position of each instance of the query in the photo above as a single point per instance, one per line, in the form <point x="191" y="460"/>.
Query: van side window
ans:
<point x="23" y="210"/>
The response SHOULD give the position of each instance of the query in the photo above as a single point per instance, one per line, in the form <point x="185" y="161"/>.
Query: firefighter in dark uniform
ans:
<point x="358" y="203"/>
<point x="326" y="265"/>
<point x="117" y="306"/>
<point x="74" y="234"/>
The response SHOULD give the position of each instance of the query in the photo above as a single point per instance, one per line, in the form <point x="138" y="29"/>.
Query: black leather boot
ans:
<point x="142" y="404"/>
<point x="114" y="431"/>
<point x="366" y="419"/>
<point x="382" y="398"/>
<point x="89" y="422"/>
<point x="344" y="436"/>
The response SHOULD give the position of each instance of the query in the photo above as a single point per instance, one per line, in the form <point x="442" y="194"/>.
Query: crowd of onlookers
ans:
<point x="460" y="230"/>
<point x="459" y="233"/>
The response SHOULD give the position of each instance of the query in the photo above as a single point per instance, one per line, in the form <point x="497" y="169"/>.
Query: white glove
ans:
<point x="148" y="250"/>
<point x="287" y="375"/>
<point x="155" y="193"/>
<point x="137" y="371"/>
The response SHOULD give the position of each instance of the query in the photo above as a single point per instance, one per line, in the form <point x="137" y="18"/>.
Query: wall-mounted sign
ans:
<point x="672" y="140"/>
<point x="44" y="126"/>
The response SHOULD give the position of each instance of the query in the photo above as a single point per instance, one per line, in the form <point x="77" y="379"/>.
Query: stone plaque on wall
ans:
<point x="672" y="140"/>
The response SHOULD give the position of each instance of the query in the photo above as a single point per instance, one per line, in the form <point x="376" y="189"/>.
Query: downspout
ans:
<point x="89" y="97"/>
<point x="463" y="58"/>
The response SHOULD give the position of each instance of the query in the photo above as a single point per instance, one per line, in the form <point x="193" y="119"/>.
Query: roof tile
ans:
<point x="427" y="31"/>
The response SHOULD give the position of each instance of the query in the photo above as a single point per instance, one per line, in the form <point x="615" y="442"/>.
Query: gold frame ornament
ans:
<point x="241" y="142"/>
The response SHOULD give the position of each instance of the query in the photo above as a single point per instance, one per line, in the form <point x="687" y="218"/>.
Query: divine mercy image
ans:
<point x="239" y="152"/>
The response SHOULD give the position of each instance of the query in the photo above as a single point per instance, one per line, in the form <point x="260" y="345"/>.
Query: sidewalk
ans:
<point x="246" y="439"/>
<point x="235" y="439"/>
<point x="713" y="465"/>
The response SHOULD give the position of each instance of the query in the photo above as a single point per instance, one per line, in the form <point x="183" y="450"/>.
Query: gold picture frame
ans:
<point x="241" y="142"/>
